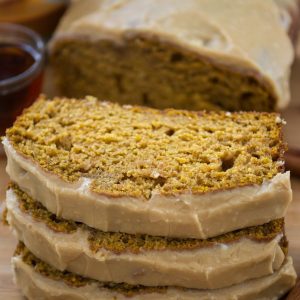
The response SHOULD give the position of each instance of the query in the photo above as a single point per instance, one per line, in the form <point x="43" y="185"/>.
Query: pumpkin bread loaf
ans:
<point x="192" y="54"/>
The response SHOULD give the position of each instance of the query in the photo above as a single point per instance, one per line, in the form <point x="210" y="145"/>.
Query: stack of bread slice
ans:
<point x="112" y="202"/>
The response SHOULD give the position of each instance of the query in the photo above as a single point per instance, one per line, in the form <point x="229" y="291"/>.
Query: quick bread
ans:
<point x="148" y="171"/>
<point x="192" y="54"/>
<point x="142" y="259"/>
<point x="38" y="280"/>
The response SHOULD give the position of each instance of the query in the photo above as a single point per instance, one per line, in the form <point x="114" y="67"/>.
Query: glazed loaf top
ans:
<point x="244" y="35"/>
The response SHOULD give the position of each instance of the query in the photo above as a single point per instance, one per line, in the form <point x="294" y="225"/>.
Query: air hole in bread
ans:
<point x="119" y="82"/>
<point x="176" y="57"/>
<point x="214" y="80"/>
<point x="170" y="132"/>
<point x="227" y="163"/>
<point x="247" y="95"/>
<point x="145" y="99"/>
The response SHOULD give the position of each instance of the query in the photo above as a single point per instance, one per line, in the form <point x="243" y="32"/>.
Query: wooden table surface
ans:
<point x="8" y="290"/>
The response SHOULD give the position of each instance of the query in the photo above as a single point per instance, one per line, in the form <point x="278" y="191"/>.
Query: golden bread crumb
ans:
<point x="137" y="151"/>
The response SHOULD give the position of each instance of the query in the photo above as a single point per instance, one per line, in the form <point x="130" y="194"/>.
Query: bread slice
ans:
<point x="203" y="54"/>
<point x="38" y="280"/>
<point x="119" y="257"/>
<point x="140" y="170"/>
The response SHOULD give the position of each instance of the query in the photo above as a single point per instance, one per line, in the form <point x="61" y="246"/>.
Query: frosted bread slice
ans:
<point x="140" y="170"/>
<point x="119" y="257"/>
<point x="38" y="280"/>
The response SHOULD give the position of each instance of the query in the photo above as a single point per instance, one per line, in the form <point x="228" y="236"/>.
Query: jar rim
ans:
<point x="39" y="47"/>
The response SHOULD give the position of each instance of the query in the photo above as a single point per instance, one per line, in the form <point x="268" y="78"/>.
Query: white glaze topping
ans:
<point x="36" y="286"/>
<point x="208" y="267"/>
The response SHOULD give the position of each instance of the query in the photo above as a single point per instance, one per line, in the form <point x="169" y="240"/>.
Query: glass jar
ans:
<point x="22" y="56"/>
